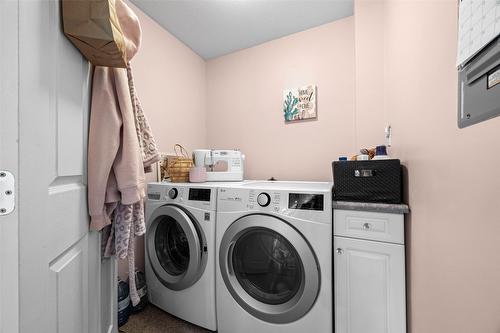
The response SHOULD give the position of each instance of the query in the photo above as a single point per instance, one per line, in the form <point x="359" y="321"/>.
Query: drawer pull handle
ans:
<point x="340" y="251"/>
<point x="366" y="226"/>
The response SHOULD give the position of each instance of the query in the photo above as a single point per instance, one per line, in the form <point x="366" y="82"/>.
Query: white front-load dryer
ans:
<point x="180" y="250"/>
<point x="274" y="261"/>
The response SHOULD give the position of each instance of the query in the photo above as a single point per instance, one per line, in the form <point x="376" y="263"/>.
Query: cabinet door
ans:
<point x="369" y="286"/>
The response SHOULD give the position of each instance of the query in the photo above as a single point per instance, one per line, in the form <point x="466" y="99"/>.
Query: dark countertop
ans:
<point x="372" y="207"/>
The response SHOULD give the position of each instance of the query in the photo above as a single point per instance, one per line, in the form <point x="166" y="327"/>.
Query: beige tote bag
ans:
<point x="93" y="27"/>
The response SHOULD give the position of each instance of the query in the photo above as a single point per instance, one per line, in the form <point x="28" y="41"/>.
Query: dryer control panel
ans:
<point x="298" y="204"/>
<point x="306" y="201"/>
<point x="263" y="199"/>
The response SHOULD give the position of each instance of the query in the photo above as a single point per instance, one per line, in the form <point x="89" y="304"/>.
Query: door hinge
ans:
<point x="7" y="192"/>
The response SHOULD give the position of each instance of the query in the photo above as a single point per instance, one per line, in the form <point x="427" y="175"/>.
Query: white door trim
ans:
<point x="9" y="224"/>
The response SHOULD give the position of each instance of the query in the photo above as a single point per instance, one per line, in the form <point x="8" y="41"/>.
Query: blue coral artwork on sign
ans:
<point x="299" y="103"/>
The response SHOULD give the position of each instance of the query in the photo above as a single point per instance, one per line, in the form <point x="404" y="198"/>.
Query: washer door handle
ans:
<point x="230" y="250"/>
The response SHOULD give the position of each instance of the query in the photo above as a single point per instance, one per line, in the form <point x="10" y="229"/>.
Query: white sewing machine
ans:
<point x="221" y="165"/>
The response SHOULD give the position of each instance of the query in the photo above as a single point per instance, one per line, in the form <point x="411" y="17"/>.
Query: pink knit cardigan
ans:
<point x="115" y="165"/>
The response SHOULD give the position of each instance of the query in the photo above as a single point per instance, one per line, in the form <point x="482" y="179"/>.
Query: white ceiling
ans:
<point x="213" y="28"/>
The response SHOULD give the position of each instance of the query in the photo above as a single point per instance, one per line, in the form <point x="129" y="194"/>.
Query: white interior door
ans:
<point x="64" y="285"/>
<point x="9" y="273"/>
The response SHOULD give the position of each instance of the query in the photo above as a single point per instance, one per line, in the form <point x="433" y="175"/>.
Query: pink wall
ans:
<point x="453" y="233"/>
<point x="371" y="117"/>
<point x="171" y="83"/>
<point x="393" y="63"/>
<point x="244" y="102"/>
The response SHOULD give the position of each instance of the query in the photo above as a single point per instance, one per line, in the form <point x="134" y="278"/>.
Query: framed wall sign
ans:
<point x="300" y="103"/>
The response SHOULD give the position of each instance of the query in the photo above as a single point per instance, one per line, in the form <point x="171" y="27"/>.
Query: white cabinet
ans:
<point x="369" y="282"/>
<point x="381" y="227"/>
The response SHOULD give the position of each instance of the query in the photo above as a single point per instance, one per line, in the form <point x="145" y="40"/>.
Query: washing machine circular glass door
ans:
<point x="269" y="268"/>
<point x="176" y="247"/>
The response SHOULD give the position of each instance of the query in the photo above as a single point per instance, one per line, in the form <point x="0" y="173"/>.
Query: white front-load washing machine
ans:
<point x="274" y="261"/>
<point x="180" y="250"/>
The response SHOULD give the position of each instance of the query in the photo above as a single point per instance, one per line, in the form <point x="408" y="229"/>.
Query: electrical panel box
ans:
<point x="479" y="86"/>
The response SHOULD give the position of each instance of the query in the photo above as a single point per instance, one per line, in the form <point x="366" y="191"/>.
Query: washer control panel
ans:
<point x="203" y="197"/>
<point x="173" y="193"/>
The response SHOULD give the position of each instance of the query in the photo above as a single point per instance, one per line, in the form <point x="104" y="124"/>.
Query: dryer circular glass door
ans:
<point x="269" y="268"/>
<point x="176" y="247"/>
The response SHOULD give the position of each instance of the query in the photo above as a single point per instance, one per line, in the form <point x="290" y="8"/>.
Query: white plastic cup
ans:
<point x="198" y="174"/>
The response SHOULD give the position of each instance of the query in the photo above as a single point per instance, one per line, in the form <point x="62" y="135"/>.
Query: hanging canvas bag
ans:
<point x="94" y="28"/>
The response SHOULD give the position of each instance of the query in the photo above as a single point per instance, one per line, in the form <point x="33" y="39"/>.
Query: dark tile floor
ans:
<point x="154" y="320"/>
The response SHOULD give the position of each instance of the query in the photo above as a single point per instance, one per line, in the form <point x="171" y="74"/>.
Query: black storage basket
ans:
<point x="367" y="181"/>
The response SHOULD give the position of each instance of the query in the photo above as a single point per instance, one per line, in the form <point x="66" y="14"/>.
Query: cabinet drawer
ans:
<point x="369" y="225"/>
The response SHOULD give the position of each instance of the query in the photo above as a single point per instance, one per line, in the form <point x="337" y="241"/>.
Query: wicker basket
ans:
<point x="178" y="166"/>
